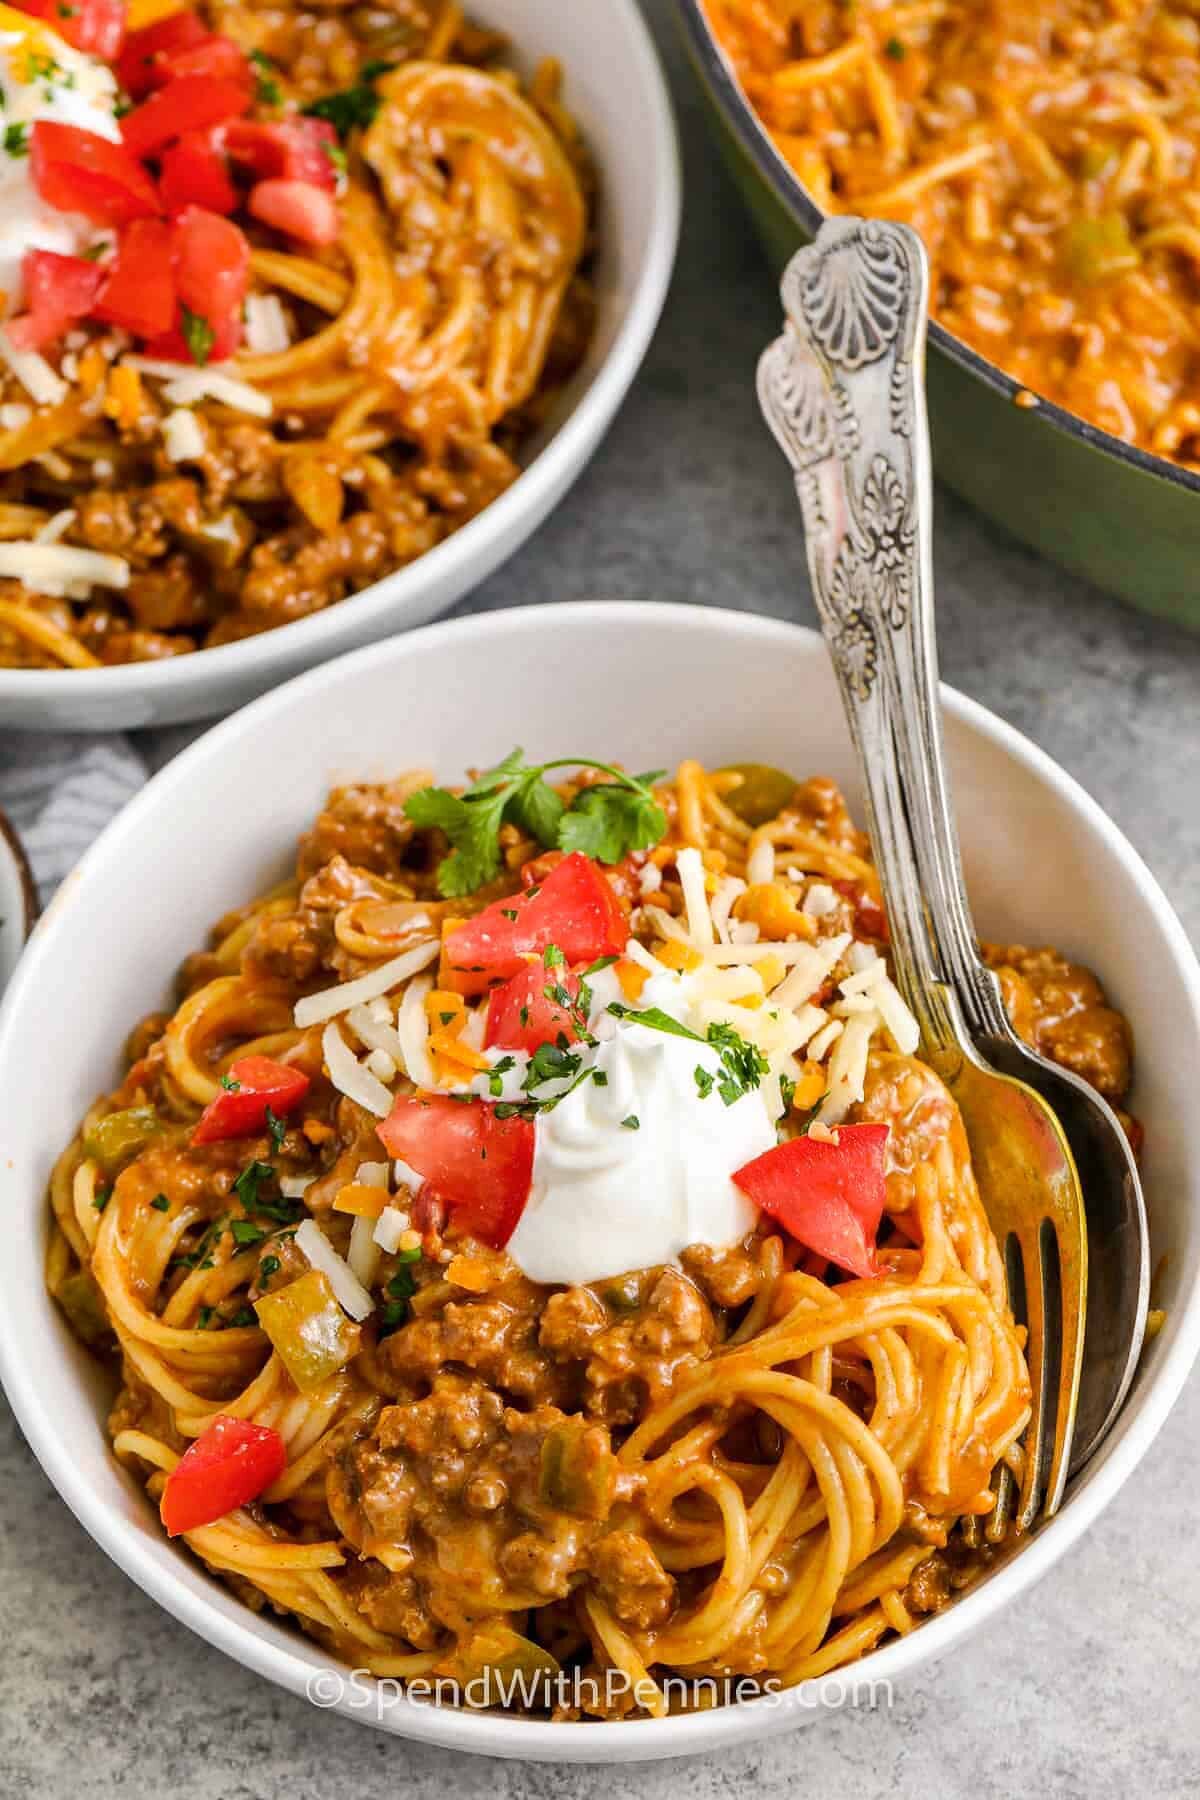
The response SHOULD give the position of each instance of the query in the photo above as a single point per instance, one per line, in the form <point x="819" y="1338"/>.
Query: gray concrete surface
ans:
<point x="1090" y="1688"/>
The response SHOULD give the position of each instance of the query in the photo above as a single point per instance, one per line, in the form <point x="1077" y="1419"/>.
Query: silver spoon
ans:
<point x="843" y="392"/>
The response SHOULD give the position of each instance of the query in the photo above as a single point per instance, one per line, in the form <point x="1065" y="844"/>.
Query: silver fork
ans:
<point x="842" y="392"/>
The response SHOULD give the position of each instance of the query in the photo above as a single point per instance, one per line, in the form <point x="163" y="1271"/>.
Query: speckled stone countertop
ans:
<point x="1086" y="1689"/>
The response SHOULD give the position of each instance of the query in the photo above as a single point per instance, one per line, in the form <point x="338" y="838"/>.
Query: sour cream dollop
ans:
<point x="610" y="1194"/>
<point x="43" y="78"/>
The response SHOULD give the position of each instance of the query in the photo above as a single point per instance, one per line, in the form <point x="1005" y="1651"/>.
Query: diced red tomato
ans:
<point x="870" y="920"/>
<point x="192" y="103"/>
<point x="217" y="58"/>
<point x="231" y="1462"/>
<point x="829" y="1197"/>
<point x="145" y="50"/>
<point x="139" y="294"/>
<point x="195" y="172"/>
<point x="574" y="907"/>
<point x="240" y="1110"/>
<point x="212" y="273"/>
<point x="299" y="208"/>
<point x="285" y="149"/>
<point x="78" y="171"/>
<point x="521" y="1015"/>
<point x="480" y="1167"/>
<point x="95" y="26"/>
<point x="58" y="291"/>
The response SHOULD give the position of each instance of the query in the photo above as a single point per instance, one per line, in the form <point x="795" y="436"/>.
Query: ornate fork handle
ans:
<point x="841" y="389"/>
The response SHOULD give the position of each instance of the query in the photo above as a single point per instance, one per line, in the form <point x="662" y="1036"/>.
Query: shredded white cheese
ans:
<point x="61" y="569"/>
<point x="349" y="1076"/>
<point x="412" y="1029"/>
<point x="294" y="1187"/>
<point x="650" y="879"/>
<point x="695" y="898"/>
<point x="372" y="1174"/>
<point x="314" y="1009"/>
<point x="872" y="986"/>
<point x="34" y="373"/>
<point x="364" y="1254"/>
<point x="183" y="436"/>
<point x="722" y="904"/>
<point x="381" y="1065"/>
<point x="390" y="1227"/>
<point x="760" y="865"/>
<point x="14" y="414"/>
<point x="820" y="900"/>
<point x="187" y="384"/>
<point x="266" y="324"/>
<point x="52" y="530"/>
<point x="848" y="1068"/>
<point x="348" y="1290"/>
<point x="813" y="965"/>
<point x="825" y="1038"/>
<point x="406" y="1176"/>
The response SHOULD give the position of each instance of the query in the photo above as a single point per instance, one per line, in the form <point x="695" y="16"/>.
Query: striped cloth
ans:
<point x="61" y="791"/>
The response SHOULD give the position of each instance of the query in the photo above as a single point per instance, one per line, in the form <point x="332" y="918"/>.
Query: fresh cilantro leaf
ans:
<point x="351" y="107"/>
<point x="160" y="1203"/>
<point x="473" y="828"/>
<point x="247" y="1184"/>
<point x="101" y="1198"/>
<point x="743" y="1064"/>
<point x="16" y="140"/>
<point x="276" y="1127"/>
<point x="605" y="821"/>
<point x="198" y="335"/>
<point x="550" y="1062"/>
<point x="552" y="957"/>
<point x="246" y="1232"/>
<point x="631" y="1122"/>
<point x="787" y="1091"/>
<point x="230" y="1085"/>
<point x="267" y="1267"/>
<point x="269" y="91"/>
<point x="705" y="1080"/>
<point x="655" y="1019"/>
<point x="536" y="809"/>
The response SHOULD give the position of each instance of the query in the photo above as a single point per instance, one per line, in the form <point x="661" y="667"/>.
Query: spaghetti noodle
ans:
<point x="384" y="382"/>
<point x="1045" y="153"/>
<point x="743" y="1462"/>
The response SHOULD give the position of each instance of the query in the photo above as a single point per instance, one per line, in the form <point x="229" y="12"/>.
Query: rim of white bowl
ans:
<point x="499" y="1735"/>
<point x="567" y="448"/>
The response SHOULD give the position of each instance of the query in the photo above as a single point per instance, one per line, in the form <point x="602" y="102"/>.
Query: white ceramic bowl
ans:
<point x="18" y="899"/>
<point x="651" y="684"/>
<point x="615" y="88"/>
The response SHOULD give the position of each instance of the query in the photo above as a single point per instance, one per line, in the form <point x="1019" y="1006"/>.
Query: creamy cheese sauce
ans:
<point x="610" y="1194"/>
<point x="43" y="78"/>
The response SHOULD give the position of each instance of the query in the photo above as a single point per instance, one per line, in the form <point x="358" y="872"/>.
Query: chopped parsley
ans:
<point x="399" y="1291"/>
<point x="787" y="1091"/>
<point x="247" y="1184"/>
<point x="894" y="49"/>
<point x="16" y="140"/>
<point x="269" y="1266"/>
<point x="631" y="1122"/>
<point x="246" y="1232"/>
<point x="605" y="821"/>
<point x="705" y="1080"/>
<point x="101" y="1198"/>
<point x="499" y="1070"/>
<point x="269" y="91"/>
<point x="353" y="106"/>
<point x="230" y="1085"/>
<point x="198" y="335"/>
<point x="160" y="1203"/>
<point x="276" y="1128"/>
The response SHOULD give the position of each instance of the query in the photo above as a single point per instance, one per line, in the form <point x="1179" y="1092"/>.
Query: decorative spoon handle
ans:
<point x="840" y="390"/>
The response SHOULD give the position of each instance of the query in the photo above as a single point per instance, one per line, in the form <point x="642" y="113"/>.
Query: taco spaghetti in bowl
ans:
<point x="534" y="1244"/>
<point x="299" y="287"/>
